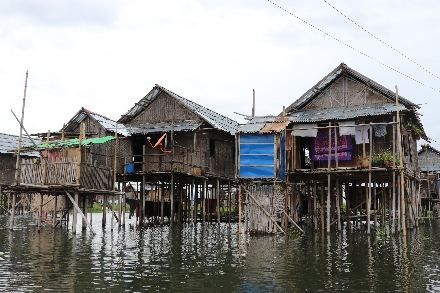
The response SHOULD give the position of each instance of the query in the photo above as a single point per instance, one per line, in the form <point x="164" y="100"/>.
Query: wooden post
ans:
<point x="172" y="199"/>
<point x="393" y="191"/>
<point x="162" y="203"/>
<point x="43" y="180"/>
<point x="203" y="201"/>
<point x="218" y="201"/>
<point x="239" y="209"/>
<point x="348" y="203"/>
<point x="322" y="207"/>
<point x="75" y="212"/>
<point x="142" y="201"/>
<point x="54" y="217"/>
<point x="229" y="202"/>
<point x="17" y="164"/>
<point x="40" y="213"/>
<point x="338" y="205"/>
<point x="402" y="191"/>
<point x="84" y="221"/>
<point x="315" y="207"/>
<point x="368" y="201"/>
<point x="328" y="176"/>
<point x="104" y="210"/>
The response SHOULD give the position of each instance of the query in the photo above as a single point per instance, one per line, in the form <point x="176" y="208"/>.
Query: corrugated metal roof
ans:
<point x="342" y="113"/>
<point x="106" y="123"/>
<point x="188" y="125"/>
<point x="257" y="124"/>
<point x="274" y="127"/>
<point x="9" y="142"/>
<point x="213" y="118"/>
<point x="72" y="142"/>
<point x="335" y="74"/>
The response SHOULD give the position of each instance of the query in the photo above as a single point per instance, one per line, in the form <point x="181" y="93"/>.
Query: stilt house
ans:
<point x="341" y="137"/>
<point x="181" y="145"/>
<point x="429" y="163"/>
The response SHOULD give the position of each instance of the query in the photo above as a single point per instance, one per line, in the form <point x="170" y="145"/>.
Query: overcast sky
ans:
<point x="106" y="55"/>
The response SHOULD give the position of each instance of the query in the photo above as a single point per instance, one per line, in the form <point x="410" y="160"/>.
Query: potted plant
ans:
<point x="387" y="158"/>
<point x="376" y="160"/>
<point x="415" y="130"/>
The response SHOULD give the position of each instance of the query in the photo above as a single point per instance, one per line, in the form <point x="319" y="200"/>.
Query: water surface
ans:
<point x="214" y="258"/>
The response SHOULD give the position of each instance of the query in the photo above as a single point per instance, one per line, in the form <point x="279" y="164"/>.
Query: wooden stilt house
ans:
<point x="429" y="163"/>
<point x="180" y="146"/>
<point x="353" y="140"/>
<point x="348" y="140"/>
<point x="8" y="160"/>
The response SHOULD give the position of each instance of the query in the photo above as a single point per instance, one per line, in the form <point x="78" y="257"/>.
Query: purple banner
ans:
<point x="320" y="143"/>
<point x="342" y="156"/>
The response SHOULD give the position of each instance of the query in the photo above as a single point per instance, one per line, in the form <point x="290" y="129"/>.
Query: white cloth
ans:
<point x="305" y="130"/>
<point x="358" y="135"/>
<point x="347" y="128"/>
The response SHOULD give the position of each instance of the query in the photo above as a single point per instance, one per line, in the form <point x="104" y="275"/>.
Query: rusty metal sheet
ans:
<point x="274" y="127"/>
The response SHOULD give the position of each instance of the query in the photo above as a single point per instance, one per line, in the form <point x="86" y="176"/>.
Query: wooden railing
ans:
<point x="63" y="171"/>
<point x="58" y="171"/>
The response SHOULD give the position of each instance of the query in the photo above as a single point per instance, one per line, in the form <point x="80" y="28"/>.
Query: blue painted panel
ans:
<point x="256" y="149"/>
<point x="256" y="160"/>
<point x="258" y="138"/>
<point x="282" y="152"/>
<point x="256" y="172"/>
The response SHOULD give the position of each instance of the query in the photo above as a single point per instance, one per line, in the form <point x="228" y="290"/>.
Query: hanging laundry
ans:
<point x="305" y="130"/>
<point x="358" y="135"/>
<point x="347" y="128"/>
<point x="380" y="130"/>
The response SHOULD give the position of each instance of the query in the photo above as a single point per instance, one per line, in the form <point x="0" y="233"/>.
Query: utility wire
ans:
<point x="347" y="45"/>
<point x="381" y="40"/>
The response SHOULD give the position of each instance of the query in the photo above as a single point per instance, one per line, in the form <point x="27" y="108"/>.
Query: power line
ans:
<point x="351" y="47"/>
<point x="381" y="40"/>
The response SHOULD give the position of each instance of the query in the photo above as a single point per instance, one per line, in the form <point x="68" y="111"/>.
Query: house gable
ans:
<point x="346" y="92"/>
<point x="164" y="109"/>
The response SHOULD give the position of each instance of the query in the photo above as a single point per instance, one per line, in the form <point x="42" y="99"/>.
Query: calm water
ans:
<point x="215" y="259"/>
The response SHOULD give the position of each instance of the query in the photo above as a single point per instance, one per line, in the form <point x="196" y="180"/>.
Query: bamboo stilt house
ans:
<point x="429" y="163"/>
<point x="181" y="147"/>
<point x="341" y="142"/>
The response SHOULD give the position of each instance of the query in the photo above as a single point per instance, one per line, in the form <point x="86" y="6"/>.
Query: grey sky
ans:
<point x="106" y="55"/>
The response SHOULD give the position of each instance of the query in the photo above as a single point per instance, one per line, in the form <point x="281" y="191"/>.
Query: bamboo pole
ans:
<point x="229" y="202"/>
<point x="393" y="203"/>
<point x="369" y="183"/>
<point x="322" y="207"/>
<point x="75" y="214"/>
<point x="54" y="217"/>
<point x="17" y="164"/>
<point x="328" y="176"/>
<point x="315" y="205"/>
<point x="239" y="209"/>
<point x="203" y="201"/>
<point x="218" y="201"/>
<point x="338" y="205"/>
<point x="172" y="199"/>
<point x="402" y="195"/>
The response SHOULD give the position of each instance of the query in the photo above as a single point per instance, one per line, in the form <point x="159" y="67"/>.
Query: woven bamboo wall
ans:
<point x="48" y="203"/>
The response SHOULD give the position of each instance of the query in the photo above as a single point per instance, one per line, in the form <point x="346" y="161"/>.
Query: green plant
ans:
<point x="416" y="130"/>
<point x="387" y="156"/>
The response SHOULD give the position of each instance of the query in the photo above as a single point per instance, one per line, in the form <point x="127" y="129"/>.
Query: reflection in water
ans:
<point x="214" y="257"/>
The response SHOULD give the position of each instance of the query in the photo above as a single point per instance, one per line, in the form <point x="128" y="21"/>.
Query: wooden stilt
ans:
<point x="218" y="201"/>
<point x="172" y="199"/>
<point x="203" y="201"/>
<point x="239" y="209"/>
<point x="322" y="208"/>
<point x="229" y="202"/>
<point x="162" y="203"/>
<point x="142" y="202"/>
<point x="315" y="207"/>
<point x="338" y="205"/>
<point x="54" y="216"/>
<point x="104" y="211"/>
<point x="84" y="209"/>
<point x="40" y="214"/>
<point x="75" y="212"/>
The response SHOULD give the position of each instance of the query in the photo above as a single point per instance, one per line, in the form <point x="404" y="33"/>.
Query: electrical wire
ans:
<point x="351" y="47"/>
<point x="381" y="40"/>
